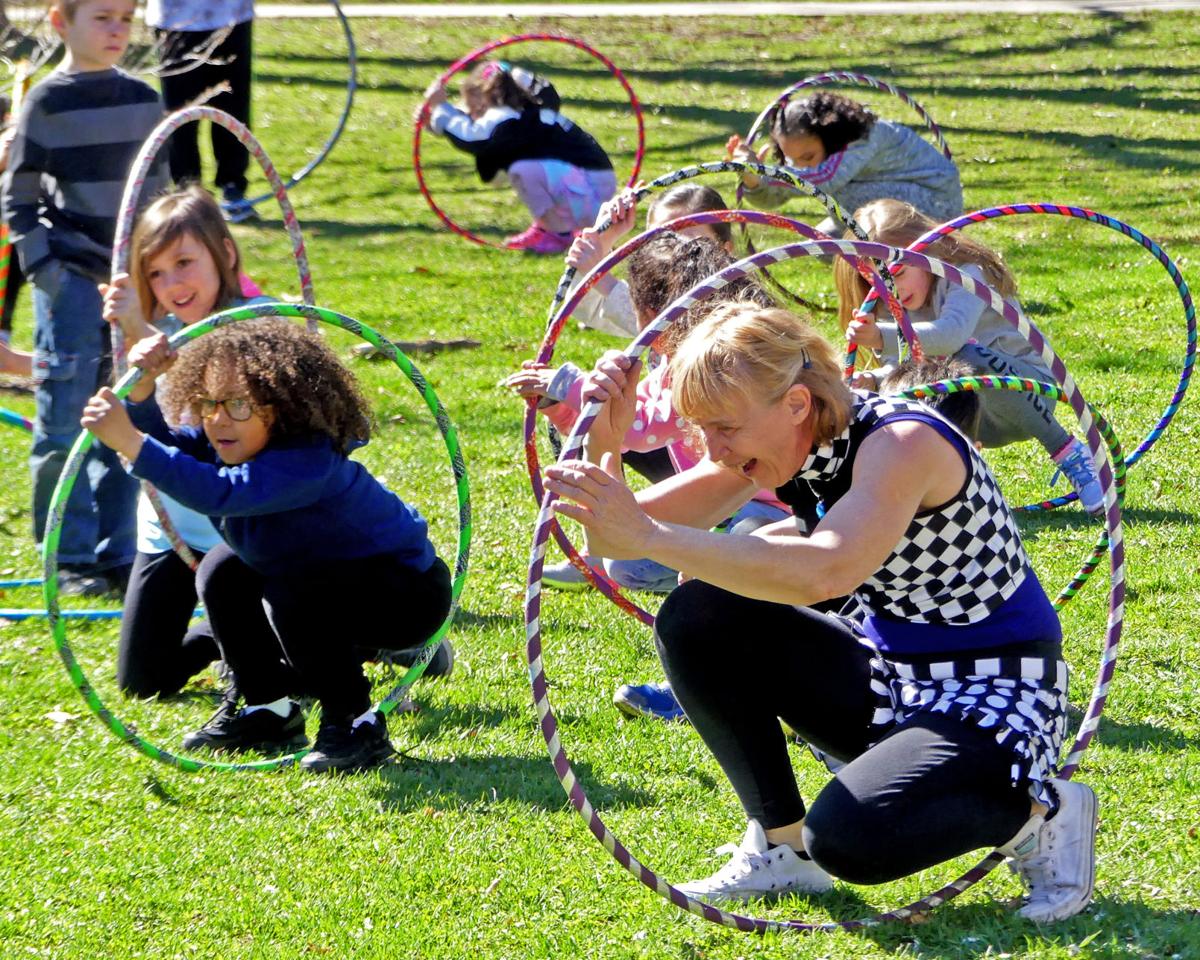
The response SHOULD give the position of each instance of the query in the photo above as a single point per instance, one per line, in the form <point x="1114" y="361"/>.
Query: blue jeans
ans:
<point x="72" y="359"/>
<point x="646" y="574"/>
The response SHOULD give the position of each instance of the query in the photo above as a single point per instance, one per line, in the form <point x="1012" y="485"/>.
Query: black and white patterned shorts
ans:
<point x="1023" y="699"/>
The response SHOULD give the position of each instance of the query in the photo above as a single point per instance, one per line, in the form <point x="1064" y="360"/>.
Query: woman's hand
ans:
<point x="532" y="380"/>
<point x="104" y="415"/>
<point x="864" y="331"/>
<point x="598" y="498"/>
<point x="737" y="149"/>
<point x="612" y="382"/>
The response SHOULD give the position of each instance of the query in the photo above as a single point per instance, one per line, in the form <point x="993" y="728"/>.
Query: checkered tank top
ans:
<point x="954" y="564"/>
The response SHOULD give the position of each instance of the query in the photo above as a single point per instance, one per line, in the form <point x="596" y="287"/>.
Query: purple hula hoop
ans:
<point x="537" y="675"/>
<point x="1091" y="216"/>
<point x="608" y="587"/>
<point x="459" y="65"/>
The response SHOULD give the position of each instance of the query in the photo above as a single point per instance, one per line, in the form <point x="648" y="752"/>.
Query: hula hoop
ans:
<point x="134" y="184"/>
<point x="857" y="79"/>
<point x="11" y="418"/>
<point x="539" y="684"/>
<point x="6" y="249"/>
<point x="608" y="587"/>
<point x="459" y="65"/>
<point x="75" y="461"/>
<point x="1091" y="216"/>
<point x="351" y="88"/>
<point x="825" y="79"/>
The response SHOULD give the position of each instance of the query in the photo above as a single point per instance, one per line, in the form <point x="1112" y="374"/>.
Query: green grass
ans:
<point x="467" y="847"/>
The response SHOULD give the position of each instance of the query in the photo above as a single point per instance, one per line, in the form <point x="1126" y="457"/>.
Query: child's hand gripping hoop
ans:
<point x="560" y="312"/>
<point x="1099" y="439"/>
<point x="1090" y="216"/>
<point x="83" y="443"/>
<point x="124" y="232"/>
<point x="476" y="55"/>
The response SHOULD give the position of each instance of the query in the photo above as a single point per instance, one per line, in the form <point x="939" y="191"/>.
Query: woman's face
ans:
<point x="912" y="286"/>
<point x="802" y="150"/>
<point x="184" y="278"/>
<point x="764" y="442"/>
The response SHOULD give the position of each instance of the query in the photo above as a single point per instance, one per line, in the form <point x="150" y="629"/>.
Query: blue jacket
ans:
<point x="296" y="505"/>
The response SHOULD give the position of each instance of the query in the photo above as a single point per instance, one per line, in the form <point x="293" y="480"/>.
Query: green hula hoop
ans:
<point x="83" y="443"/>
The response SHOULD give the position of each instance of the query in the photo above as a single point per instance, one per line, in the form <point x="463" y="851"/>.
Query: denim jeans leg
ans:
<point x="71" y="346"/>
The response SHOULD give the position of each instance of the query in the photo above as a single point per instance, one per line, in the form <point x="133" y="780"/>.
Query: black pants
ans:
<point x="933" y="788"/>
<point x="654" y="465"/>
<point x="158" y="653"/>
<point x="232" y="61"/>
<point x="315" y="628"/>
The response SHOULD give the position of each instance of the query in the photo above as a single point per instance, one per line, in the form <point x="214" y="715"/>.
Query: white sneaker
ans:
<point x="1057" y="858"/>
<point x="755" y="871"/>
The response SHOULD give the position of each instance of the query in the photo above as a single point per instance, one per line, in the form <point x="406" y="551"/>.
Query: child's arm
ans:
<point x="655" y="422"/>
<point x="949" y="331"/>
<point x="17" y="362"/>
<point x="19" y="203"/>
<point x="121" y="307"/>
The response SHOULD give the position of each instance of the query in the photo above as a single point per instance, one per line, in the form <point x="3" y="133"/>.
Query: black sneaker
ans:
<point x="234" y="206"/>
<point x="264" y="730"/>
<point x="118" y="578"/>
<point x="78" y="583"/>
<point x="342" y="748"/>
<point x="442" y="664"/>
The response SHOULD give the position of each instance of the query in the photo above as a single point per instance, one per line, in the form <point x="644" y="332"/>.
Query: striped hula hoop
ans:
<point x="84" y="441"/>
<point x="476" y="55"/>
<point x="1104" y="220"/>
<point x="548" y="721"/>
<point x="608" y="587"/>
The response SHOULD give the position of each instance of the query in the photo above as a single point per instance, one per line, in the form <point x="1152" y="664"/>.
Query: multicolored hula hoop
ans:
<point x="608" y="587"/>
<point x="537" y="675"/>
<point x="351" y="87"/>
<point x="11" y="418"/>
<point x="1091" y="216"/>
<point x="124" y="233"/>
<point x="75" y="461"/>
<point x="475" y="55"/>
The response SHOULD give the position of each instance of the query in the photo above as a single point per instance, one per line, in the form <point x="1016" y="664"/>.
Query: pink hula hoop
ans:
<point x="459" y="65"/>
<point x="134" y="185"/>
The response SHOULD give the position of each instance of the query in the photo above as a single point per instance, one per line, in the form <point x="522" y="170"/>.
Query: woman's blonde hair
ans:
<point x="746" y="351"/>
<point x="188" y="210"/>
<point x="898" y="224"/>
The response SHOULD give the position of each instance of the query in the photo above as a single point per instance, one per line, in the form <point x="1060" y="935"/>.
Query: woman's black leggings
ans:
<point x="324" y="622"/>
<point x="931" y="789"/>
<point x="158" y="652"/>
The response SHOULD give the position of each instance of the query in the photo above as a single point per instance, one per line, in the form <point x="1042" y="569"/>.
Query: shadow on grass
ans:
<point x="414" y="782"/>
<point x="982" y="929"/>
<point x="1142" y="736"/>
<point x="1072" y="518"/>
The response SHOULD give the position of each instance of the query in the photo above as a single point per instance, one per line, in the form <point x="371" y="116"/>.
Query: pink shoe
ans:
<point x="537" y="239"/>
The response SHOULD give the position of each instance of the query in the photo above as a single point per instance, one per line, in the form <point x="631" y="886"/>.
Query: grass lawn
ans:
<point x="467" y="847"/>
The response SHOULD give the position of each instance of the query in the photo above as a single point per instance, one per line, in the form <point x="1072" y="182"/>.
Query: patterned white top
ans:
<point x="953" y="565"/>
<point x="196" y="15"/>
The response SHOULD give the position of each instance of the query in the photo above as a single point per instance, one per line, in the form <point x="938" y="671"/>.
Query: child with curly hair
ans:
<point x="512" y="126"/>
<point x="842" y="148"/>
<point x="301" y="524"/>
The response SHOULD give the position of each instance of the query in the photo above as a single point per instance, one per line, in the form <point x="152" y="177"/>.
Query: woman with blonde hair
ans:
<point x="944" y="695"/>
